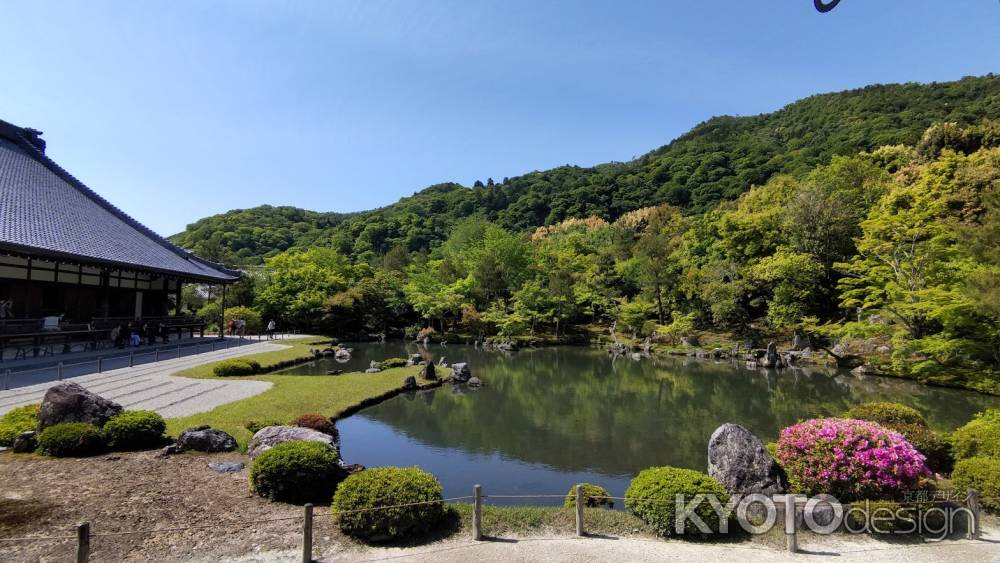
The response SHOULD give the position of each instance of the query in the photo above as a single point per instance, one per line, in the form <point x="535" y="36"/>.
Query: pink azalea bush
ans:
<point x="849" y="459"/>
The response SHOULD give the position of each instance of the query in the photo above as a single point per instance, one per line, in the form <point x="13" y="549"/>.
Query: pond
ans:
<point x="552" y="417"/>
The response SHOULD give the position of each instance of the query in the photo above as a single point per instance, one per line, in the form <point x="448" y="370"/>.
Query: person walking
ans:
<point x="270" y="329"/>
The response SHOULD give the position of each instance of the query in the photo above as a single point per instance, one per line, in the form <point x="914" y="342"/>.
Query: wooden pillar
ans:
<point x="177" y="297"/>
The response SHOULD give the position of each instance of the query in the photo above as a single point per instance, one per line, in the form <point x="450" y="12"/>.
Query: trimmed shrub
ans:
<point x="254" y="426"/>
<point x="298" y="471"/>
<point x="71" y="439"/>
<point x="392" y="363"/>
<point x="388" y="486"/>
<point x="592" y="497"/>
<point x="16" y="421"/>
<point x="236" y="367"/>
<point x="651" y="497"/>
<point x="316" y="422"/>
<point x="134" y="430"/>
<point x="982" y="474"/>
<point x="980" y="437"/>
<point x="886" y="414"/>
<point x="849" y="459"/>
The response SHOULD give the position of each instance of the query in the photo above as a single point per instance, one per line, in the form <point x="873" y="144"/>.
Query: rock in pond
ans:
<point x="410" y="383"/>
<point x="428" y="372"/>
<point x="739" y="460"/>
<point x="70" y="402"/>
<point x="226" y="466"/>
<point x="206" y="439"/>
<point x="460" y="372"/>
<point x="475" y="382"/>
<point x="267" y="438"/>
<point x="414" y="359"/>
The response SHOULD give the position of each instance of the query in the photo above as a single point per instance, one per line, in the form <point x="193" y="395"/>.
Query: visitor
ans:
<point x="232" y="327"/>
<point x="270" y="329"/>
<point x="241" y="327"/>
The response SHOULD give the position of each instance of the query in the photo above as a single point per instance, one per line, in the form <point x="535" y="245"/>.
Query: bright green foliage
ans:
<point x="254" y="325"/>
<point x="236" y="367"/>
<point x="16" y="421"/>
<point x="300" y="283"/>
<point x="982" y="474"/>
<point x="792" y="279"/>
<point x="651" y="496"/>
<point x="71" y="439"/>
<point x="134" y="430"/>
<point x="886" y="414"/>
<point x="298" y="471"/>
<point x="594" y="496"/>
<point x="361" y="505"/>
<point x="980" y="437"/>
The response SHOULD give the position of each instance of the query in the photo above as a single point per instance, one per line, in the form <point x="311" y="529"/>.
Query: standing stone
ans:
<point x="460" y="372"/>
<point x="206" y="439"/>
<point x="738" y="460"/>
<point x="70" y="402"/>
<point x="428" y="372"/>
<point x="772" y="359"/>
<point x="410" y="383"/>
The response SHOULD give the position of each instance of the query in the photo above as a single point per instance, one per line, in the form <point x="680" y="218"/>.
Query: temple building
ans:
<point x="68" y="254"/>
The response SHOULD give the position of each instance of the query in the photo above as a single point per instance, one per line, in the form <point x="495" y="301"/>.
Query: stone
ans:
<point x="335" y="372"/>
<point x="206" y="439"/>
<point x="475" y="382"/>
<point x="428" y="372"/>
<point x="410" y="383"/>
<point x="414" y="359"/>
<point x="372" y="370"/>
<point x="169" y="450"/>
<point x="267" y="438"/>
<point x="739" y="460"/>
<point x="113" y="458"/>
<point x="884" y="350"/>
<point x="25" y="442"/>
<point x="772" y="359"/>
<point x="227" y="466"/>
<point x="460" y="372"/>
<point x="352" y="468"/>
<point x="342" y="354"/>
<point x="689" y="340"/>
<point x="70" y="402"/>
<point x="865" y="369"/>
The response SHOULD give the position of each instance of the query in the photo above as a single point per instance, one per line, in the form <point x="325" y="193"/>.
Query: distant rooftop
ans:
<point x="46" y="212"/>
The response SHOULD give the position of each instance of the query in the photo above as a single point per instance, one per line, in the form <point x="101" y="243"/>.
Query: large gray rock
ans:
<point x="69" y="402"/>
<point x="414" y="359"/>
<point x="206" y="439"/>
<point x="267" y="438"/>
<point x="460" y="372"/>
<point x="739" y="460"/>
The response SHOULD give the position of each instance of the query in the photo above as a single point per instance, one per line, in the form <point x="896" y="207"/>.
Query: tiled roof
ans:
<point x="46" y="211"/>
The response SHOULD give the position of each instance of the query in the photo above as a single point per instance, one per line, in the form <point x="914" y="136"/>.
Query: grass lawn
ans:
<point x="298" y="348"/>
<point x="500" y="521"/>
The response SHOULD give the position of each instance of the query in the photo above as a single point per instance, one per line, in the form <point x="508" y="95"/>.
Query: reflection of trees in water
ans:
<point x="569" y="409"/>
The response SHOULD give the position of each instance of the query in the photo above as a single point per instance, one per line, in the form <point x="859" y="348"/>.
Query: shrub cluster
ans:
<point x="392" y="363"/>
<point x="652" y="493"/>
<point x="236" y="367"/>
<point x="383" y="487"/>
<point x="849" y="459"/>
<point x="316" y="422"/>
<point x="980" y="437"/>
<point x="594" y="496"/>
<point x="71" y="439"/>
<point x="981" y="474"/>
<point x="16" y="421"/>
<point x="254" y="426"/>
<point x="911" y="424"/>
<point x="298" y="471"/>
<point x="134" y="430"/>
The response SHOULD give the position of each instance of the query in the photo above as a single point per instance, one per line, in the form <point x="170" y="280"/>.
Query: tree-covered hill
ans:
<point x="715" y="161"/>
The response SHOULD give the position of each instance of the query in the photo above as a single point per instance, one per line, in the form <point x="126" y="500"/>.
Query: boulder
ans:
<point x="25" y="443"/>
<point x="739" y="460"/>
<point x="267" y="438"/>
<point x="206" y="439"/>
<point x="169" y="450"/>
<point x="410" y="383"/>
<point x="372" y="370"/>
<point x="460" y="372"/>
<point x="226" y="466"/>
<point x="475" y="382"/>
<point x="414" y="359"/>
<point x="70" y="402"/>
<point x="428" y="372"/>
<point x="772" y="359"/>
<point x="342" y="354"/>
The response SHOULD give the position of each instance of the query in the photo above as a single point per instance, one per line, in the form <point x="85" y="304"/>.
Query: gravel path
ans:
<point x="154" y="387"/>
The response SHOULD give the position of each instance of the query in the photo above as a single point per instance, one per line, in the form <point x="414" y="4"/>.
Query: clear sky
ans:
<point x="177" y="110"/>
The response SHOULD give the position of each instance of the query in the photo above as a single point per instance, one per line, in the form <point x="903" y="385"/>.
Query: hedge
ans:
<point x="383" y="487"/>
<point x="981" y="474"/>
<point x="299" y="471"/>
<point x="651" y="496"/>
<point x="980" y="437"/>
<point x="135" y="430"/>
<point x="71" y="439"/>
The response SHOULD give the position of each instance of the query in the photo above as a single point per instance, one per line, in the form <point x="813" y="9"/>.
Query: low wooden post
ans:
<point x="59" y="371"/>
<point x="100" y="364"/>
<point x="477" y="512"/>
<point x="791" y="540"/>
<point x="6" y="379"/>
<point x="131" y="359"/>
<point x="307" y="535"/>
<point x="579" y="511"/>
<point x="178" y="351"/>
<point x="156" y="355"/>
<point x="83" y="543"/>
<point x="973" y="501"/>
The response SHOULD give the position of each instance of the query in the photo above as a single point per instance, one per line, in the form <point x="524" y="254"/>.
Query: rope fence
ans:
<point x="84" y="536"/>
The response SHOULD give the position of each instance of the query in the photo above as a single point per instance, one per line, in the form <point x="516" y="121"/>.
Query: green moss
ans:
<point x="383" y="487"/>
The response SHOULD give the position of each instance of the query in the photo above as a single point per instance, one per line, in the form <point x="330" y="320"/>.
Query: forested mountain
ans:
<point x="715" y="161"/>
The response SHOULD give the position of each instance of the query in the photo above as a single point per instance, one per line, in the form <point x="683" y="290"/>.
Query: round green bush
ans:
<point x="16" y="421"/>
<point x="392" y="363"/>
<point x="886" y="414"/>
<point x="652" y="494"/>
<point x="593" y="497"/>
<point x="135" y="430"/>
<point x="299" y="471"/>
<point x="71" y="439"/>
<point x="981" y="474"/>
<point x="236" y="367"/>
<point x="388" y="486"/>
<point x="980" y="437"/>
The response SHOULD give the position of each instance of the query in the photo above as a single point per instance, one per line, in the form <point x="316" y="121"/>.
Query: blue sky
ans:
<point x="178" y="110"/>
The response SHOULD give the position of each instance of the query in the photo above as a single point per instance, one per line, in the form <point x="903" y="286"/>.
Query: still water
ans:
<point x="552" y="417"/>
